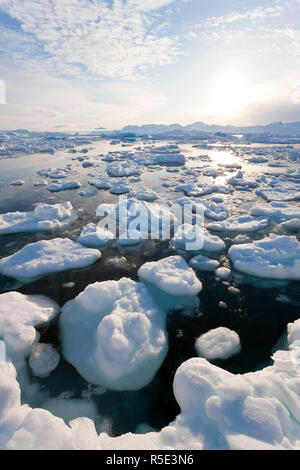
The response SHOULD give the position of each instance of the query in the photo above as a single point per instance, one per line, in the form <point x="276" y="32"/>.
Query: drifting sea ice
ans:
<point x="94" y="236"/>
<point x="45" y="217"/>
<point x="220" y="343"/>
<point x="203" y="263"/>
<point x="63" y="186"/>
<point x="212" y="242"/>
<point x="244" y="224"/>
<point x="280" y="194"/>
<point x="189" y="237"/>
<point x="47" y="256"/>
<point x="223" y="273"/>
<point x="274" y="257"/>
<point x="145" y="195"/>
<point x="19" y="314"/>
<point x="43" y="359"/>
<point x="276" y="210"/>
<point x="122" y="169"/>
<point x="172" y="275"/>
<point x="168" y="158"/>
<point x="114" y="334"/>
<point x="101" y="183"/>
<point x="209" y="208"/>
<point x="119" y="189"/>
<point x="129" y="238"/>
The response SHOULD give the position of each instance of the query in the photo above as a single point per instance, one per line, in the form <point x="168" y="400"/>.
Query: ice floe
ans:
<point x="203" y="263"/>
<point x="122" y="169"/>
<point x="274" y="257"/>
<point x="114" y="334"/>
<point x="19" y="315"/>
<point x="240" y="224"/>
<point x="43" y="359"/>
<point x="172" y="275"/>
<point x="223" y="273"/>
<point x="63" y="186"/>
<point x="47" y="256"/>
<point x="94" y="236"/>
<point x="220" y="343"/>
<point x="45" y="217"/>
<point x="276" y="210"/>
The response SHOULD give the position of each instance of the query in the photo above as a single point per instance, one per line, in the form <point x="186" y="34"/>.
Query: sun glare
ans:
<point x="229" y="94"/>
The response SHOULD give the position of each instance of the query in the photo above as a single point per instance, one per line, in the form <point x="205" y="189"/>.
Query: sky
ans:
<point x="78" y="65"/>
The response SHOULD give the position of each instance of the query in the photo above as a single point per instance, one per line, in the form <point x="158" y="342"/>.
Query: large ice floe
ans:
<point x="274" y="257"/>
<point x="45" y="217"/>
<point x="114" y="334"/>
<point x="47" y="256"/>
<point x="220" y="343"/>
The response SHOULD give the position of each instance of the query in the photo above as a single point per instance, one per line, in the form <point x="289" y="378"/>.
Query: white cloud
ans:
<point x="46" y="103"/>
<point x="91" y="36"/>
<point x="258" y="13"/>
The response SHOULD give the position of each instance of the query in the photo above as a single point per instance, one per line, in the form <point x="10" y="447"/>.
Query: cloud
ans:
<point x="90" y="37"/>
<point x="258" y="13"/>
<point x="43" y="103"/>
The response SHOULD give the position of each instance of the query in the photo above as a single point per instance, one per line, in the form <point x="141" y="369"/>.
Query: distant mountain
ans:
<point x="275" y="128"/>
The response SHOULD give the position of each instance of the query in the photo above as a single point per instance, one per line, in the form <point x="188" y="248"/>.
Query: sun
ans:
<point x="229" y="94"/>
